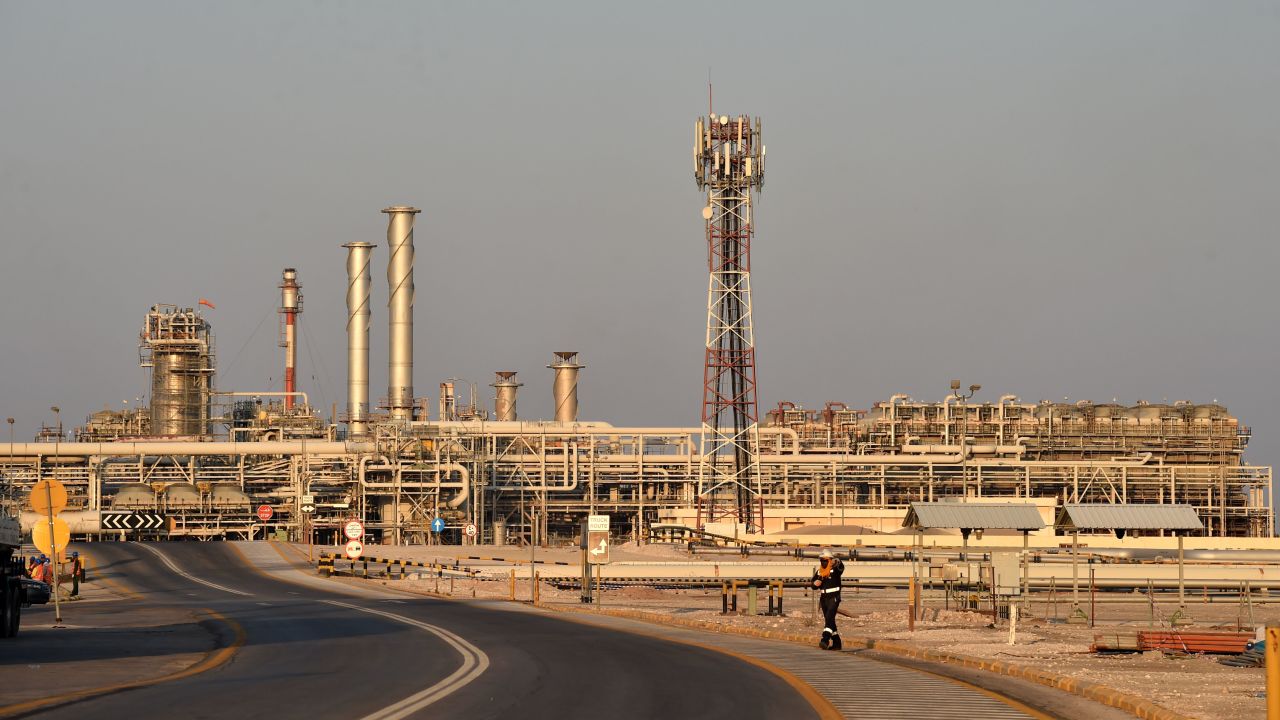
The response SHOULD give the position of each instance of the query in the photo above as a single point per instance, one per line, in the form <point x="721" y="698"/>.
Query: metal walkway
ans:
<point x="858" y="687"/>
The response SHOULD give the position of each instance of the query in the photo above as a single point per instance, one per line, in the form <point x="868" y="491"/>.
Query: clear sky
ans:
<point x="1050" y="199"/>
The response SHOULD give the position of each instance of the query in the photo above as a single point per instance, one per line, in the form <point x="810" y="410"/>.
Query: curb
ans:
<point x="1136" y="706"/>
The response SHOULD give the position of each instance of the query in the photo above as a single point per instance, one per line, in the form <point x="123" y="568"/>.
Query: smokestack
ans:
<point x="290" y="306"/>
<point x="358" y="282"/>
<point x="400" y="311"/>
<point x="504" y="401"/>
<point x="565" y="390"/>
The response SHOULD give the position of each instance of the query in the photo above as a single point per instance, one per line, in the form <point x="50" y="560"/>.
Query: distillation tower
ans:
<point x="728" y="164"/>
<point x="177" y="345"/>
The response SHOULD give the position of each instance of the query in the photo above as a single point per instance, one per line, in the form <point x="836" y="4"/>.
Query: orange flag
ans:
<point x="206" y="302"/>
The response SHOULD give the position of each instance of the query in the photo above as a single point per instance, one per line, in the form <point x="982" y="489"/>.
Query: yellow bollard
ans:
<point x="513" y="583"/>
<point x="1272" y="640"/>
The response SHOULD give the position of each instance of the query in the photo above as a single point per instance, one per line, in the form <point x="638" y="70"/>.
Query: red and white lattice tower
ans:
<point x="728" y="163"/>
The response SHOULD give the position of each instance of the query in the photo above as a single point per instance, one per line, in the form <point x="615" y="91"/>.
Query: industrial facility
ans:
<point x="206" y="459"/>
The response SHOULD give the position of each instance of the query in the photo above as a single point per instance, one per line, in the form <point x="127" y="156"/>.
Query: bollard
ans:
<point x="1272" y="642"/>
<point x="513" y="583"/>
<point x="782" y="589"/>
<point x="911" y="605"/>
<point x="537" y="591"/>
<point x="752" y="600"/>
<point x="724" y="598"/>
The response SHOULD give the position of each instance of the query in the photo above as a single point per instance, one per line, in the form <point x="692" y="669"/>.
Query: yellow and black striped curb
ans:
<point x="1136" y="706"/>
<point x="396" y="569"/>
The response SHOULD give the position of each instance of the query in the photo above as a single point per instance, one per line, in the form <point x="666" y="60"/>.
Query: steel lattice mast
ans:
<point x="728" y="163"/>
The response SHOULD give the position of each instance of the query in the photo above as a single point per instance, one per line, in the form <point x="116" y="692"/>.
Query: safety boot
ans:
<point x="835" y="642"/>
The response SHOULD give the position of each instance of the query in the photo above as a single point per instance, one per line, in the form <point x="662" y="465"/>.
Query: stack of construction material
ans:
<point x="1223" y="643"/>
<point x="1253" y="656"/>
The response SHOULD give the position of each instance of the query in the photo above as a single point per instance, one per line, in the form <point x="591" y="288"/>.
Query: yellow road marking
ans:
<point x="213" y="659"/>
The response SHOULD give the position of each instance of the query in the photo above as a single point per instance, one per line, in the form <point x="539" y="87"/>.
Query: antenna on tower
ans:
<point x="710" y="112"/>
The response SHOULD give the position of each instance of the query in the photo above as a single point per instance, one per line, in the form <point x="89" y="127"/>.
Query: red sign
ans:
<point x="265" y="512"/>
<point x="354" y="529"/>
<point x="354" y="548"/>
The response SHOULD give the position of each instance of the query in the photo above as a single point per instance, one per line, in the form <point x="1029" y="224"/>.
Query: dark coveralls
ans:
<point x="829" y="601"/>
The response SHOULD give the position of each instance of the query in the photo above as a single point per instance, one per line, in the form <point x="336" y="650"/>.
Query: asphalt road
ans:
<point x="314" y="654"/>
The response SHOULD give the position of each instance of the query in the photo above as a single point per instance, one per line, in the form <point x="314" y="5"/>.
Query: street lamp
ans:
<point x="57" y="414"/>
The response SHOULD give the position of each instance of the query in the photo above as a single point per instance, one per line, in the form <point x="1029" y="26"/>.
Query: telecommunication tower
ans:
<point x="728" y="163"/>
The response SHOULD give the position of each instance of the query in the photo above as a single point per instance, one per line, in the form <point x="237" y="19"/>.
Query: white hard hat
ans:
<point x="825" y="553"/>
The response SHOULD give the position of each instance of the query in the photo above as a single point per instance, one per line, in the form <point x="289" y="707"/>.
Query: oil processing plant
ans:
<point x="205" y="459"/>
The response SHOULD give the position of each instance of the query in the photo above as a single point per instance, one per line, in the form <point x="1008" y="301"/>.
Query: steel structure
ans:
<point x="176" y="344"/>
<point x="728" y="163"/>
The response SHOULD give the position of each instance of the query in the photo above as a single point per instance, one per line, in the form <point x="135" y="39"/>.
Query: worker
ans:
<point x="77" y="574"/>
<point x="44" y="571"/>
<point x="32" y="563"/>
<point x="826" y="579"/>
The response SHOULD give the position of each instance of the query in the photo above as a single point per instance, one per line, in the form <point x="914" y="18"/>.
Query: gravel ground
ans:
<point x="1197" y="686"/>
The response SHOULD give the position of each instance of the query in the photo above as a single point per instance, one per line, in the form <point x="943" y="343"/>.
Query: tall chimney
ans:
<point x="504" y="401"/>
<point x="400" y="311"/>
<point x="358" y="282"/>
<point x="290" y="306"/>
<point x="565" y="390"/>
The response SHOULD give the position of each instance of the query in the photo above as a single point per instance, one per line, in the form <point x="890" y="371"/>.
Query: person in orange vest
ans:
<point x="44" y="571"/>
<point x="77" y="575"/>
<point x="826" y="580"/>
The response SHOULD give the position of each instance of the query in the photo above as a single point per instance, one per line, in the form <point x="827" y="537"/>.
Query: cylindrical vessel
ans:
<point x="179" y="399"/>
<point x="564" y="392"/>
<point x="358" y="283"/>
<point x="177" y="345"/>
<point x="290" y="306"/>
<point x="400" y="311"/>
<point x="504" y="399"/>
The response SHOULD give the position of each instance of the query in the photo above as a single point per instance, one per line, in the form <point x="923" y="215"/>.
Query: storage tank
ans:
<point x="134" y="497"/>
<point x="181" y="495"/>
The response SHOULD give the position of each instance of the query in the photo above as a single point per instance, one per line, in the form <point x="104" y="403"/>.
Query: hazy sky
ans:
<point x="1050" y="199"/>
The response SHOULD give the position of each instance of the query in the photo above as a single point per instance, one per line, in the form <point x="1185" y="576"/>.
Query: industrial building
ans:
<point x="206" y="459"/>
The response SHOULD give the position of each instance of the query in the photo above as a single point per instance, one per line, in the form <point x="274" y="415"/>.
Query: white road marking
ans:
<point x="169" y="564"/>
<point x="265" y="604"/>
<point x="474" y="663"/>
<point x="398" y="602"/>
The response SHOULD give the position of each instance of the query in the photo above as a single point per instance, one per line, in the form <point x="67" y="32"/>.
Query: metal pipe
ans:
<point x="565" y="390"/>
<point x="358" y="283"/>
<point x="400" y="312"/>
<point x="290" y="306"/>
<point x="146" y="449"/>
<point x="504" y="401"/>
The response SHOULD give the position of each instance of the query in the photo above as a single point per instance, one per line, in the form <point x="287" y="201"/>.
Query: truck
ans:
<point x="11" y="575"/>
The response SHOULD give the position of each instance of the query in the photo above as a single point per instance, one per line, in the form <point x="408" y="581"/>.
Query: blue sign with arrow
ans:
<point x="437" y="525"/>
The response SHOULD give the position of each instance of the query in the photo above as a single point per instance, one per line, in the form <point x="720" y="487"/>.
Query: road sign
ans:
<point x="265" y="512"/>
<point x="437" y="525"/>
<point x="131" y="521"/>
<point x="61" y="535"/>
<point x="598" y="539"/>
<point x="308" y="499"/>
<point x="354" y="548"/>
<point x="308" y="508"/>
<point x="470" y="530"/>
<point x="48" y="497"/>
<point x="354" y="529"/>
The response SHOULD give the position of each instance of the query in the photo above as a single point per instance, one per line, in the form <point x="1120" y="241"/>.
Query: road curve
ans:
<point x="313" y="653"/>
